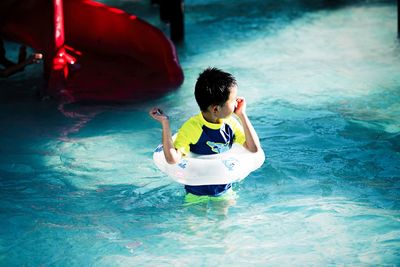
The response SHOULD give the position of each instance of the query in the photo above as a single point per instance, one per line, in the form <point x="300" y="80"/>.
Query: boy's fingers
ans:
<point x="153" y="111"/>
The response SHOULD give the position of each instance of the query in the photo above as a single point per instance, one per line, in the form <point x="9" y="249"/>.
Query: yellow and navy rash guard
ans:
<point x="202" y="137"/>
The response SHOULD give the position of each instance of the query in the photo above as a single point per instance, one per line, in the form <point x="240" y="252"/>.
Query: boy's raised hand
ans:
<point x="240" y="106"/>
<point x="158" y="114"/>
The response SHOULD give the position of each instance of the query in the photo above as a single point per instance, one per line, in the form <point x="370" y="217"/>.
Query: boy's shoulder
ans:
<point x="189" y="132"/>
<point x="233" y="119"/>
<point x="193" y="122"/>
<point x="197" y="119"/>
<point x="234" y="122"/>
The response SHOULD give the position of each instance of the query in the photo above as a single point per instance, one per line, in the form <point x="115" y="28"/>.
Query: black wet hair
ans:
<point x="213" y="87"/>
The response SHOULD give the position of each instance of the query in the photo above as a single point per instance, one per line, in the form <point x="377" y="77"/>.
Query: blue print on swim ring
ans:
<point x="159" y="148"/>
<point x="230" y="163"/>
<point x="183" y="163"/>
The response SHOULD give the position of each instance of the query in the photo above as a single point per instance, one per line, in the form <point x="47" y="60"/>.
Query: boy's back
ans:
<point x="202" y="137"/>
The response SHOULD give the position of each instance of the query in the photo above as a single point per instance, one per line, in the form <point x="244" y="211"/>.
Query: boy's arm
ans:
<point x="171" y="154"/>
<point x="252" y="141"/>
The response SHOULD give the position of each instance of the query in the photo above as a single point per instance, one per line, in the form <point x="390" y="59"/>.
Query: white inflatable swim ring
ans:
<point x="228" y="167"/>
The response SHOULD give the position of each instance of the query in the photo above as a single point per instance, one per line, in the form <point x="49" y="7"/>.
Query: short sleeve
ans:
<point x="237" y="128"/>
<point x="188" y="134"/>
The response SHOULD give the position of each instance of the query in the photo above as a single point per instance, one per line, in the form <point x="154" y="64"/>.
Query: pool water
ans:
<point x="79" y="187"/>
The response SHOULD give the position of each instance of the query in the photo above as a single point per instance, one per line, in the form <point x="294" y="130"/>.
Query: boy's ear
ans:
<point x="214" y="108"/>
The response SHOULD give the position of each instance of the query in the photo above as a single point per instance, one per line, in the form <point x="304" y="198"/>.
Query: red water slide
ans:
<point x="93" y="52"/>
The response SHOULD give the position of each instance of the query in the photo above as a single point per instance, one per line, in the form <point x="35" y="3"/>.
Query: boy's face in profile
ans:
<point x="229" y="106"/>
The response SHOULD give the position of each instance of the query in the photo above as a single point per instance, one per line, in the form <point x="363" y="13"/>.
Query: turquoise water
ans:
<point x="79" y="188"/>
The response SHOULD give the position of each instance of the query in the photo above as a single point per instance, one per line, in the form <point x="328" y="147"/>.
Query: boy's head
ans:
<point x="213" y="87"/>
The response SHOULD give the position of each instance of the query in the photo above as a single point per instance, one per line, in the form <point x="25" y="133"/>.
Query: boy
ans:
<point x="212" y="131"/>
